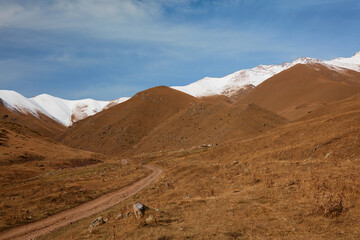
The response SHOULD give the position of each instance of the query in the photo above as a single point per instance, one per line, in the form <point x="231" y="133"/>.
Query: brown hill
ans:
<point x="208" y="124"/>
<point x="214" y="99"/>
<point x="297" y="181"/>
<point x="22" y="150"/>
<point x="118" y="128"/>
<point x="301" y="89"/>
<point x="348" y="105"/>
<point x="41" y="177"/>
<point x="44" y="126"/>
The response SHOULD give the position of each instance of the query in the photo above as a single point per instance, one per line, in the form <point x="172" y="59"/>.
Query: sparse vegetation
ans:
<point x="295" y="193"/>
<point x="296" y="180"/>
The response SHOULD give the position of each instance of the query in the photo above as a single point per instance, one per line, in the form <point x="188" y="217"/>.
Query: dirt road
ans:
<point x="45" y="226"/>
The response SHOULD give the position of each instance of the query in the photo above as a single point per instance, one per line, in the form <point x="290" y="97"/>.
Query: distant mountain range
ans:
<point x="232" y="83"/>
<point x="66" y="112"/>
<point x="63" y="111"/>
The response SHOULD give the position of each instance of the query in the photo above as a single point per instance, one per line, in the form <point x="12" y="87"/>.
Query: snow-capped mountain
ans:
<point x="232" y="83"/>
<point x="352" y="63"/>
<point x="63" y="111"/>
<point x="67" y="112"/>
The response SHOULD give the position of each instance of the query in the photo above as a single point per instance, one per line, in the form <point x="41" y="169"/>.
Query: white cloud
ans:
<point x="128" y="20"/>
<point x="75" y="13"/>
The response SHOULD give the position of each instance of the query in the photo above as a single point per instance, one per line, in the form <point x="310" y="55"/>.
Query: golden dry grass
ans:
<point x="40" y="178"/>
<point x="298" y="181"/>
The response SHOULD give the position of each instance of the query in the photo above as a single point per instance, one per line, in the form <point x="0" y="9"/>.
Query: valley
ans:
<point x="277" y="160"/>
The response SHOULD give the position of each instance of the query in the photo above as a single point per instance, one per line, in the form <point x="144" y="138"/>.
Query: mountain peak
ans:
<point x="232" y="83"/>
<point x="357" y="54"/>
<point x="305" y="60"/>
<point x="63" y="111"/>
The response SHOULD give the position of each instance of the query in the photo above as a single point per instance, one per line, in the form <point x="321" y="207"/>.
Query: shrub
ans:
<point x="330" y="205"/>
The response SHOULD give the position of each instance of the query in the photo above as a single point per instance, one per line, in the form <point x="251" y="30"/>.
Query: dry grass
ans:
<point x="211" y="200"/>
<point x="40" y="178"/>
<point x="283" y="185"/>
<point x="296" y="181"/>
<point x="47" y="194"/>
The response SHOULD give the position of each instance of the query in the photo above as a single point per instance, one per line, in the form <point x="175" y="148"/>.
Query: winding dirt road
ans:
<point x="54" y="222"/>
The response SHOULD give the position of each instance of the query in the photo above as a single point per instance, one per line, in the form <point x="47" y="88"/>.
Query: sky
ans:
<point x="107" y="49"/>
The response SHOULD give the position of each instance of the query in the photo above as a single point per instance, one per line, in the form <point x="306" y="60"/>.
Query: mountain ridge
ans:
<point x="61" y="110"/>
<point x="230" y="84"/>
<point x="233" y="85"/>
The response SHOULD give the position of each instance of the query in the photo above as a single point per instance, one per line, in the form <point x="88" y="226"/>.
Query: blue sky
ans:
<point x="106" y="49"/>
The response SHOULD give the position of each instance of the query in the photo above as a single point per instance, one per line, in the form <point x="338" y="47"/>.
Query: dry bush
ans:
<point x="330" y="205"/>
<point x="234" y="235"/>
<point x="164" y="238"/>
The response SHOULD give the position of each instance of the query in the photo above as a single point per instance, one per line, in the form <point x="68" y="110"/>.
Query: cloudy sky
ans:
<point x="106" y="49"/>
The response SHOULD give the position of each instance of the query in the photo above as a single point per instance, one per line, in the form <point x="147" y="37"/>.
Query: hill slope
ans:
<point x="61" y="110"/>
<point x="297" y="181"/>
<point x="301" y="89"/>
<point x="42" y="124"/>
<point x="41" y="177"/>
<point x="231" y="84"/>
<point x="208" y="124"/>
<point x="118" y="128"/>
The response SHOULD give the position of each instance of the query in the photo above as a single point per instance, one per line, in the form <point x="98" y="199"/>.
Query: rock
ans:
<point x="97" y="222"/>
<point x="315" y="148"/>
<point x="139" y="209"/>
<point x="327" y="155"/>
<point x="234" y="163"/>
<point x="150" y="220"/>
<point x="119" y="216"/>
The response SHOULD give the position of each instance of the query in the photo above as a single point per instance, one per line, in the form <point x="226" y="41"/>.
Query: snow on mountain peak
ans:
<point x="68" y="111"/>
<point x="63" y="111"/>
<point x="357" y="54"/>
<point x="231" y="83"/>
<point x="352" y="63"/>
<point x="17" y="102"/>
<point x="236" y="81"/>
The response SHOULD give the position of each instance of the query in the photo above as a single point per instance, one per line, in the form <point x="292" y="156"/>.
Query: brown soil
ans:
<point x="208" y="124"/>
<point x="115" y="130"/>
<point x="296" y="181"/>
<point x="45" y="226"/>
<point x="44" y="126"/>
<point x="301" y="89"/>
<point x="267" y="178"/>
<point x="217" y="99"/>
<point x="164" y="119"/>
<point x="41" y="177"/>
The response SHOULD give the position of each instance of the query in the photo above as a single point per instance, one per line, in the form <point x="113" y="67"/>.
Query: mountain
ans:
<point x="234" y="86"/>
<point x="208" y="123"/>
<point x="42" y="125"/>
<point x="301" y="89"/>
<point x="22" y="149"/>
<point x="117" y="129"/>
<point x="231" y="84"/>
<point x="63" y="111"/>
<point x="162" y="118"/>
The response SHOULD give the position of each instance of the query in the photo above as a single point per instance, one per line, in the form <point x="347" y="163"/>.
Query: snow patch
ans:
<point x="61" y="110"/>
<point x="231" y="83"/>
